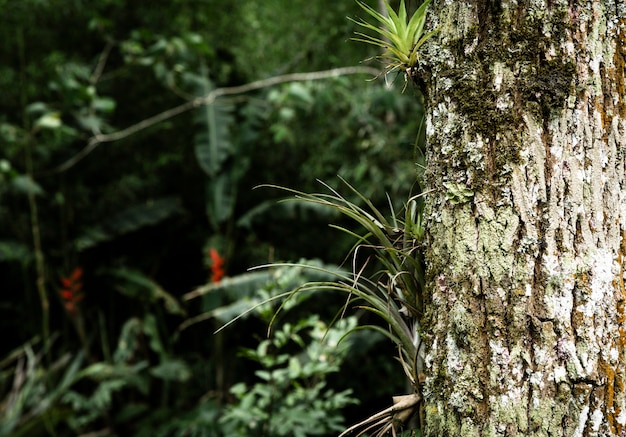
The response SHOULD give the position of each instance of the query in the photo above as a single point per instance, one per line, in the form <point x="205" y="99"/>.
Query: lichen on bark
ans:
<point x="525" y="317"/>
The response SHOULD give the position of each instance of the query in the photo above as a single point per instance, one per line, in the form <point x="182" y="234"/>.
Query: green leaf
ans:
<point x="90" y="121"/>
<point x="51" y="120"/>
<point x="14" y="251"/>
<point x="213" y="144"/>
<point x="135" y="284"/>
<point x="36" y="108"/>
<point x="257" y="293"/>
<point x="221" y="198"/>
<point x="129" y="220"/>
<point x="172" y="370"/>
<point x="400" y="38"/>
<point x="25" y="184"/>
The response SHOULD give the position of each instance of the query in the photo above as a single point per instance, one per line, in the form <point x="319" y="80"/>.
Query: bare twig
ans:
<point x="209" y="98"/>
<point x="97" y="72"/>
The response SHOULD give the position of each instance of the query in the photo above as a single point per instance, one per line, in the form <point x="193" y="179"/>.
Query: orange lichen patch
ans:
<point x="602" y="108"/>
<point x="609" y="397"/>
<point x="618" y="283"/>
<point x="613" y="382"/>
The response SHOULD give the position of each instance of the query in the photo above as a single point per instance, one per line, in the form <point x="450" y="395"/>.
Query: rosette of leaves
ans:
<point x="392" y="290"/>
<point x="400" y="36"/>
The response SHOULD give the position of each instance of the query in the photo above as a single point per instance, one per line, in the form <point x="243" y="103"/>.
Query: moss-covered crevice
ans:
<point x="505" y="67"/>
<point x="549" y="87"/>
<point x="619" y="63"/>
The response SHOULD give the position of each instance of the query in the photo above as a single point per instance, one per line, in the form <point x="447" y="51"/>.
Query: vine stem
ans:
<point x="32" y="203"/>
<point x="207" y="99"/>
<point x="39" y="257"/>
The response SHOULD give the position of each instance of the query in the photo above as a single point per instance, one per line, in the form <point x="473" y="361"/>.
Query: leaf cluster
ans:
<point x="394" y="292"/>
<point x="400" y="36"/>
<point x="292" y="397"/>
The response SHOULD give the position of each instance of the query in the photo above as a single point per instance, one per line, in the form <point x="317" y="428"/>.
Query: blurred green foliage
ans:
<point x="140" y="213"/>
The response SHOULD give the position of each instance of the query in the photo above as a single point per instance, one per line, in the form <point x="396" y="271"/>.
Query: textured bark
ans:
<point x="526" y="133"/>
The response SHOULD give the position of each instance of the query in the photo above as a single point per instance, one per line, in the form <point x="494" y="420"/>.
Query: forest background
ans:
<point x="126" y="241"/>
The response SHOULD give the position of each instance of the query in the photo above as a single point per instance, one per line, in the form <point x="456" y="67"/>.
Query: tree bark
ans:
<point x="526" y="133"/>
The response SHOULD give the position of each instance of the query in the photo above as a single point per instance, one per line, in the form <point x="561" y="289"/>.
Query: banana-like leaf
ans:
<point x="221" y="198"/>
<point x="213" y="145"/>
<point x="129" y="220"/>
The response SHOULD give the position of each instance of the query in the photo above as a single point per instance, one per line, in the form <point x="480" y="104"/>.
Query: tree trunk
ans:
<point x="526" y="130"/>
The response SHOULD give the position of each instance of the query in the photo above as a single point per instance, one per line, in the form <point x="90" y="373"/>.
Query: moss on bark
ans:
<point x="523" y="273"/>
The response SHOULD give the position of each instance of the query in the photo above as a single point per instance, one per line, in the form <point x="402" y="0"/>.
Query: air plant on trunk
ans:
<point x="393" y="292"/>
<point x="400" y="36"/>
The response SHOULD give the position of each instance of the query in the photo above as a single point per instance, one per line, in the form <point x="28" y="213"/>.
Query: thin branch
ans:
<point x="104" y="56"/>
<point x="98" y="139"/>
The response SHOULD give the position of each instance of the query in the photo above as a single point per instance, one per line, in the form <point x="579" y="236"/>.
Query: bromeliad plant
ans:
<point x="399" y="36"/>
<point x="393" y="292"/>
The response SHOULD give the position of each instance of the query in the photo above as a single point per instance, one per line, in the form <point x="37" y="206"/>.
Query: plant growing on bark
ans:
<point x="400" y="36"/>
<point x="393" y="291"/>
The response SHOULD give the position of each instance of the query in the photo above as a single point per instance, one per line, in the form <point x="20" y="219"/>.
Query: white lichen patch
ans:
<point x="471" y="47"/>
<point x="453" y="357"/>
<point x="582" y="421"/>
<point x="603" y="271"/>
<point x="498" y="75"/>
<point x="597" y="417"/>
<point x="536" y="379"/>
<point x="552" y="264"/>
<point x="560" y="374"/>
<point x="561" y="304"/>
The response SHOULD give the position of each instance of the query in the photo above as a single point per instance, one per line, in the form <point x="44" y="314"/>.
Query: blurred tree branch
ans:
<point x="99" y="138"/>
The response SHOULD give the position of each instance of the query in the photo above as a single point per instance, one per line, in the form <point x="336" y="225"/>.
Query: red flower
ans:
<point x="71" y="293"/>
<point x="217" y="266"/>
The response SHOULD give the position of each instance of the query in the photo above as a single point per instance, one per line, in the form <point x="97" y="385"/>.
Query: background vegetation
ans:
<point x="122" y="251"/>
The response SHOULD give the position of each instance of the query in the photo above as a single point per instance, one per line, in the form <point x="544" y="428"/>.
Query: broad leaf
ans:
<point x="213" y="144"/>
<point x="129" y="220"/>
